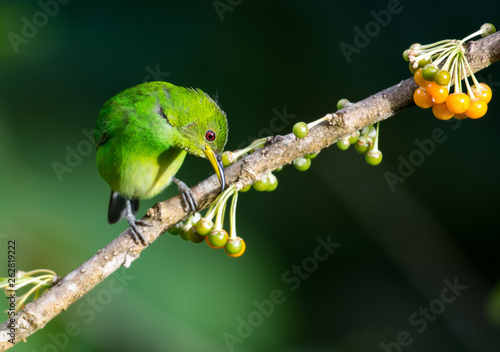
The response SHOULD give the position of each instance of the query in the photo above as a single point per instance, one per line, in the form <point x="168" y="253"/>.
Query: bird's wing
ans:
<point x="118" y="207"/>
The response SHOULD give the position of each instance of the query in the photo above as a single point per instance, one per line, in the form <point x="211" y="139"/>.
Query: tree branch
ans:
<point x="279" y="150"/>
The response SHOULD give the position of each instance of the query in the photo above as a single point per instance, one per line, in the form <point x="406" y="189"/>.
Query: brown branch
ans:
<point x="279" y="150"/>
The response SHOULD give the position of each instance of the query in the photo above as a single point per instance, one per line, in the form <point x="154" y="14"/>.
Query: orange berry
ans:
<point x="421" y="81"/>
<point x="422" y="98"/>
<point x="458" y="102"/>
<point x="437" y="92"/>
<point x="477" y="109"/>
<point x="482" y="92"/>
<point x="461" y="116"/>
<point x="243" y="248"/>
<point x="441" y="111"/>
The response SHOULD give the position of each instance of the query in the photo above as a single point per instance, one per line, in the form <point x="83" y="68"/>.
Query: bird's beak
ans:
<point x="216" y="162"/>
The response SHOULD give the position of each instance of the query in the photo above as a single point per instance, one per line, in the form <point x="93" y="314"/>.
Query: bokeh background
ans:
<point x="261" y="59"/>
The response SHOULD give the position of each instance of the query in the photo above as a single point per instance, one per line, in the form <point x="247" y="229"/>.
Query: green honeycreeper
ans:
<point x="142" y="137"/>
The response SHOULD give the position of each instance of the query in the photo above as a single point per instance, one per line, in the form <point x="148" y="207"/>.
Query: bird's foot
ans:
<point x="187" y="195"/>
<point x="136" y="232"/>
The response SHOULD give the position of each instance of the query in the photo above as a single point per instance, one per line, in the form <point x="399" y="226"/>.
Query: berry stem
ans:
<point x="215" y="204"/>
<point x="375" y="145"/>
<point x="476" y="82"/>
<point x="469" y="90"/>
<point x="364" y="138"/>
<point x="257" y="144"/>
<point x="232" y="216"/>
<point x="471" y="36"/>
<point x="38" y="280"/>
<point x="32" y="272"/>
<point x="450" y="59"/>
<point x="211" y="211"/>
<point x="23" y="299"/>
<point x="427" y="46"/>
<point x="457" y="76"/>
<point x="428" y="53"/>
<point x="221" y="207"/>
<point x="314" y="123"/>
<point x="445" y="54"/>
<point x="453" y="60"/>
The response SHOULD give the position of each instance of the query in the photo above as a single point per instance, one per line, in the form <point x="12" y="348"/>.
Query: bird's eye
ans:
<point x="210" y="136"/>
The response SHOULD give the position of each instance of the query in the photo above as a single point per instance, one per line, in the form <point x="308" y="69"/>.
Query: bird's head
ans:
<point x="201" y="126"/>
<point x="206" y="138"/>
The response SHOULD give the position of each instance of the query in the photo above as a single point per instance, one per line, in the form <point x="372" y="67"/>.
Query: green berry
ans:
<point x="184" y="235"/>
<point x="227" y="158"/>
<point x="246" y="188"/>
<point x="405" y="55"/>
<point x="217" y="238"/>
<point x="273" y="182"/>
<point x="343" y="143"/>
<point x="302" y="164"/>
<point x="343" y="103"/>
<point x="300" y="130"/>
<point x="194" y="236"/>
<point x="412" y="69"/>
<point x="262" y="184"/>
<point x="424" y="62"/>
<point x="373" y="157"/>
<point x="362" y="146"/>
<point x="442" y="77"/>
<point x="353" y="137"/>
<point x="242" y="155"/>
<point x="429" y="71"/>
<point x="279" y="168"/>
<point x="176" y="230"/>
<point x="372" y="133"/>
<point x="311" y="156"/>
<point x="204" y="226"/>
<point x="233" y="246"/>
<point x="415" y="46"/>
<point x="487" y="29"/>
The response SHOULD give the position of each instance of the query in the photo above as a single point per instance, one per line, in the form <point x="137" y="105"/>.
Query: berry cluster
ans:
<point x="365" y="141"/>
<point x="436" y="66"/>
<point x="301" y="130"/>
<point x="198" y="229"/>
<point x="266" y="183"/>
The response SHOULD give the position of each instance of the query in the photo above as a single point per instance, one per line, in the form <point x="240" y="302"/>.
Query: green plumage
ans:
<point x="143" y="135"/>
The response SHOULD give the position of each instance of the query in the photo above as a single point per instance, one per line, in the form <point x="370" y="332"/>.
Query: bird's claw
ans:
<point x="187" y="195"/>
<point x="136" y="232"/>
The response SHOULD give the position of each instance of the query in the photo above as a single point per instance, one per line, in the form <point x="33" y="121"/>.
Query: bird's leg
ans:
<point x="133" y="222"/>
<point x="187" y="195"/>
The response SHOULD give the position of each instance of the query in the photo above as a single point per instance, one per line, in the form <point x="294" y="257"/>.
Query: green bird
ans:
<point x="143" y="135"/>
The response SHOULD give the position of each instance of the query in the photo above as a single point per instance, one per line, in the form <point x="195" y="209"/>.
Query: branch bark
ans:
<point x="279" y="150"/>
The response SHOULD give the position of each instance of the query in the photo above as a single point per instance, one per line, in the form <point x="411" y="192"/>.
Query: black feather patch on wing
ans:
<point x="160" y="112"/>
<point x="102" y="139"/>
<point x="117" y="209"/>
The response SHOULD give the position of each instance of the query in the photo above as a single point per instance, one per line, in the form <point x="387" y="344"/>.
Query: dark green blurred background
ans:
<point x="396" y="248"/>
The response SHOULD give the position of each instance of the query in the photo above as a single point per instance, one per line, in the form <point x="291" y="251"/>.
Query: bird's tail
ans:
<point x="117" y="209"/>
